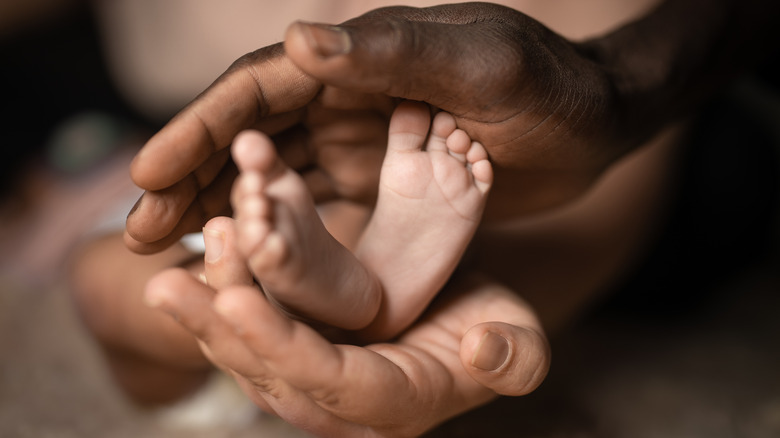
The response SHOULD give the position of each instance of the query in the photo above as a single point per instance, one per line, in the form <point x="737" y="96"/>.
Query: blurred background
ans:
<point x="687" y="346"/>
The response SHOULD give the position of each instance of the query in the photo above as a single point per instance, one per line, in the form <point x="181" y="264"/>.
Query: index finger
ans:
<point x="257" y="87"/>
<point x="337" y="378"/>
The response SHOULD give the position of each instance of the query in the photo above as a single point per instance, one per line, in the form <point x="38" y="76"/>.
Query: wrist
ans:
<point x="648" y="64"/>
<point x="666" y="64"/>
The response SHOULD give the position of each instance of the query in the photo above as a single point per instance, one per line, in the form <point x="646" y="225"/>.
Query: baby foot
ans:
<point x="431" y="197"/>
<point x="450" y="172"/>
<point x="297" y="261"/>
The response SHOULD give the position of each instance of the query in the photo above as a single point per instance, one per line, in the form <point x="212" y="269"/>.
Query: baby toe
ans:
<point x="458" y="144"/>
<point x="480" y="167"/>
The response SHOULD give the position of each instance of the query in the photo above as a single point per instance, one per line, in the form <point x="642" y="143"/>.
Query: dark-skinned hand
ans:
<point x="543" y="110"/>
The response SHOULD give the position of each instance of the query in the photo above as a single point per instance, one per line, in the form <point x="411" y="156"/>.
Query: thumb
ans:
<point x="426" y="54"/>
<point x="508" y="359"/>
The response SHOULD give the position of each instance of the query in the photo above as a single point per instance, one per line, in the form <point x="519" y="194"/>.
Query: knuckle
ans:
<point x="268" y="385"/>
<point x="325" y="397"/>
<point x="399" y="41"/>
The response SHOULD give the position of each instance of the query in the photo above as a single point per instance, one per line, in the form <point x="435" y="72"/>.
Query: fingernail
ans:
<point x="327" y="40"/>
<point x="492" y="352"/>
<point x="215" y="244"/>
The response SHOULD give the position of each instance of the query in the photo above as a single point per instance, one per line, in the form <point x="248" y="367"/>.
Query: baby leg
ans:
<point x="288" y="249"/>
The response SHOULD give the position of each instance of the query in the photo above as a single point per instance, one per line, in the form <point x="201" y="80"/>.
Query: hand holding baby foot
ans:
<point x="436" y="370"/>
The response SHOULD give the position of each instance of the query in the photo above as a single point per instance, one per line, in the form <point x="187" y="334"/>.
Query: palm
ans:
<point x="401" y="388"/>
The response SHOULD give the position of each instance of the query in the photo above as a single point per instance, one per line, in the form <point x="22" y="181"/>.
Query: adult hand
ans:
<point x="478" y="341"/>
<point x="543" y="110"/>
<point x="551" y="113"/>
<point x="185" y="167"/>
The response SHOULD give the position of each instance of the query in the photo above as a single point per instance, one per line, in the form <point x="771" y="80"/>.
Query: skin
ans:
<point x="548" y="135"/>
<point x="433" y="187"/>
<point x="110" y="301"/>
<point x="555" y="115"/>
<point x="289" y="369"/>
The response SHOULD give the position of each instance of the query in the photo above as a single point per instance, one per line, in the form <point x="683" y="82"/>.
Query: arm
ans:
<point x="667" y="63"/>
<point x="553" y="114"/>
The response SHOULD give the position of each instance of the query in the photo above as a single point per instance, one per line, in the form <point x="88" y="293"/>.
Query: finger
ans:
<point x="337" y="377"/>
<point x="161" y="218"/>
<point x="320" y="185"/>
<point x="503" y="346"/>
<point x="261" y="89"/>
<point x="295" y="149"/>
<point x="295" y="407"/>
<point x="168" y="205"/>
<point x="508" y="359"/>
<point x="258" y="85"/>
<point x="224" y="341"/>
<point x="190" y="302"/>
<point x="350" y="147"/>
<point x="224" y="265"/>
<point x="420" y="54"/>
<point x="501" y="341"/>
<point x="177" y="293"/>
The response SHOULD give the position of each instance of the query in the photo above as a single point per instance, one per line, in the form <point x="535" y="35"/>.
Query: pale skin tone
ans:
<point x="432" y="191"/>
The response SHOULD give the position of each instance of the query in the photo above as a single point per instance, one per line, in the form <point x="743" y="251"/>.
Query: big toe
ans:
<point x="409" y="126"/>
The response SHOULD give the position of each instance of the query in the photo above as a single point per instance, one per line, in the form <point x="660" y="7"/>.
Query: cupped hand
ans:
<point x="479" y="340"/>
<point x="335" y="138"/>
<point x="544" y="110"/>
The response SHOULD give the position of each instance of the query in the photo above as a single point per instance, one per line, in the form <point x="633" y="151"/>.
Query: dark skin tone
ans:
<point x="511" y="122"/>
<point x="552" y="114"/>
